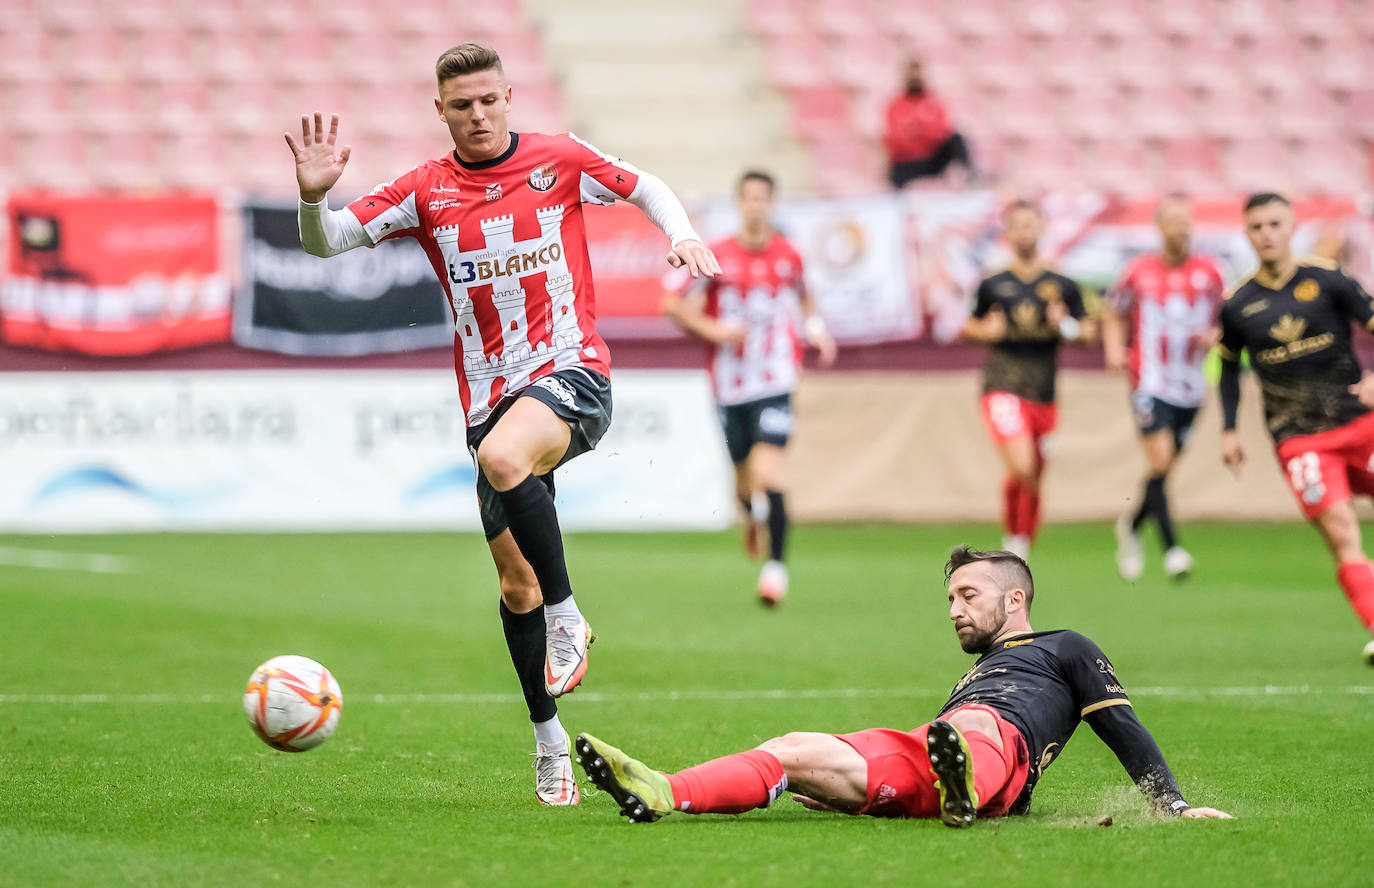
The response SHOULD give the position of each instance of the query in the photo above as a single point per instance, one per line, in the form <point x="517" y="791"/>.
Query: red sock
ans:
<point x="1357" y="579"/>
<point x="990" y="768"/>
<point x="1027" y="511"/>
<point x="1011" y="506"/>
<point x="729" y="785"/>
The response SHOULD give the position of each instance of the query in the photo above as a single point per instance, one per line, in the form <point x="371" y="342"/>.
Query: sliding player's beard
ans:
<point x="978" y="639"/>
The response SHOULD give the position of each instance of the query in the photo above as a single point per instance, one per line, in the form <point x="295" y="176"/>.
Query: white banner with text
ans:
<point x="328" y="450"/>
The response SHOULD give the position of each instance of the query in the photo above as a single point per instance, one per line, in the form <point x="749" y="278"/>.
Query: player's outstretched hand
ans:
<point x="696" y="257"/>
<point x="318" y="164"/>
<point x="1232" y="452"/>
<point x="808" y="802"/>
<point x="1205" y="814"/>
<point x="1364" y="390"/>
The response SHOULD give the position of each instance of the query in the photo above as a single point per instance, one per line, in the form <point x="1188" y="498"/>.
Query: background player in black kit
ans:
<point x="1294" y="318"/>
<point x="1023" y="312"/>
<point x="1003" y="724"/>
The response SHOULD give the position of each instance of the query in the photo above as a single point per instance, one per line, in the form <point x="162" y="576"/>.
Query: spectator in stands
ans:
<point x="919" y="138"/>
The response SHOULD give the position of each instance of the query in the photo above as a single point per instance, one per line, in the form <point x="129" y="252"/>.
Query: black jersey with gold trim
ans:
<point x="1025" y="362"/>
<point x="1044" y="683"/>
<point x="1297" y="330"/>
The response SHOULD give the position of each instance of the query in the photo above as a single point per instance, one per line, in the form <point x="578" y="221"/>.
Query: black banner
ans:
<point x="360" y="302"/>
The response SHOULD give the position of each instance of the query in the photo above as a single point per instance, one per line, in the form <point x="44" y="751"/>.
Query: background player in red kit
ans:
<point x="750" y="313"/>
<point x="1294" y="319"/>
<point x="500" y="219"/>
<point x="1023" y="313"/>
<point x="1165" y="306"/>
<point x="1003" y="724"/>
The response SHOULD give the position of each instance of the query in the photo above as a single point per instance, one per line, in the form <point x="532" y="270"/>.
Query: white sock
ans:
<point x="551" y="736"/>
<point x="567" y="609"/>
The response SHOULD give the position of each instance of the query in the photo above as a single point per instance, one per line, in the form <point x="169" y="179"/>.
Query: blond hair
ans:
<point x="466" y="58"/>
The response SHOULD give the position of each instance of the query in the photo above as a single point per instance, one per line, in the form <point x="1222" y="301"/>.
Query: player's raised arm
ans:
<point x="319" y="164"/>
<point x="607" y="178"/>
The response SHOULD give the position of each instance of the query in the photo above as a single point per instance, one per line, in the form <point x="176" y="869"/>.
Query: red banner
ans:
<point x="629" y="260"/>
<point x="112" y="275"/>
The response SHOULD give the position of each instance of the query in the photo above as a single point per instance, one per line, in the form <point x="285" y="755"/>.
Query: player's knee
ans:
<point x="502" y="468"/>
<point x="974" y="720"/>
<point x="788" y="748"/>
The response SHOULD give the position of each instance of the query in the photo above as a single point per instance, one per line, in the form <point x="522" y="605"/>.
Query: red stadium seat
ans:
<point x="820" y="112"/>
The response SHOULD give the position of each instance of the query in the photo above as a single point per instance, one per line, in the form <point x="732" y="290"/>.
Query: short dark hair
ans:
<point x="756" y="176"/>
<point x="1261" y="198"/>
<point x="1013" y="568"/>
<point x="466" y="58"/>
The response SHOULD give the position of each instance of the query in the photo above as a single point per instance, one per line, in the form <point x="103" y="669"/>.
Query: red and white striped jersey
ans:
<point x="1170" y="307"/>
<point x="506" y="239"/>
<point x="761" y="290"/>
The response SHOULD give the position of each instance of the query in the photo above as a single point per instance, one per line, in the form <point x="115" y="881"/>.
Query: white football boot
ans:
<point x="773" y="583"/>
<point x="1178" y="563"/>
<point x="1130" y="558"/>
<point x="1017" y="544"/>
<point x="565" y="652"/>
<point x="554" y="783"/>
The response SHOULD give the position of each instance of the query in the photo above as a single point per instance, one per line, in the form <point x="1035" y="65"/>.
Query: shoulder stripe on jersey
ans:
<point x="1103" y="704"/>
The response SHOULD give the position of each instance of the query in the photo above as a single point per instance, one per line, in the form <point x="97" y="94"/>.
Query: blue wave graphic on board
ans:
<point x="461" y="475"/>
<point x="85" y="478"/>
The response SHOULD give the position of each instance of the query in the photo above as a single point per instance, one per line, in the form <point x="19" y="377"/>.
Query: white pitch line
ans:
<point x="692" y="695"/>
<point x="51" y="559"/>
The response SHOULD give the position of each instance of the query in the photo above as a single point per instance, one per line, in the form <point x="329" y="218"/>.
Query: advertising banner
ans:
<point x="328" y="450"/>
<point x="956" y="240"/>
<point x="364" y="301"/>
<point x="112" y="275"/>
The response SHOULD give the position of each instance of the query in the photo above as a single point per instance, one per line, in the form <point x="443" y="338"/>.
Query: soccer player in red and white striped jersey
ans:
<point x="751" y="313"/>
<point x="500" y="218"/>
<point x="1166" y="305"/>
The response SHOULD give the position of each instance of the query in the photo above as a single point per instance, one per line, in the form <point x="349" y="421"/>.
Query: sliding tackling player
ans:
<point x="1024" y="313"/>
<point x="1294" y="319"/>
<point x="749" y="312"/>
<point x="1005" y="721"/>
<point x="1165" y="305"/>
<point x="500" y="218"/>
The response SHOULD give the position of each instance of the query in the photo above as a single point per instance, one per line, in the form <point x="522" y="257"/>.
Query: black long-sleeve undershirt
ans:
<point x="1139" y="754"/>
<point x="1228" y="387"/>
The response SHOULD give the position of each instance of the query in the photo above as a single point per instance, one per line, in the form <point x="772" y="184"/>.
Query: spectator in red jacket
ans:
<point x="919" y="138"/>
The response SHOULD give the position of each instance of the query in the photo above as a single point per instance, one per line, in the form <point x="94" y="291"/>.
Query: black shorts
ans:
<point x="765" y="421"/>
<point x="1153" y="415"/>
<point x="582" y="398"/>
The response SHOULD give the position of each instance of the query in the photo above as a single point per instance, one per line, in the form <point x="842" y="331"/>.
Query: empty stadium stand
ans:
<point x="1135" y="96"/>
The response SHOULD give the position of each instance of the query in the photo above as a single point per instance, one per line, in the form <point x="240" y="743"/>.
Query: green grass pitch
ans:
<point x="160" y="781"/>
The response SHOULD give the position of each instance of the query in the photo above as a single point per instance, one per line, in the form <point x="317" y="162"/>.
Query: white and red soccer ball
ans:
<point x="293" y="703"/>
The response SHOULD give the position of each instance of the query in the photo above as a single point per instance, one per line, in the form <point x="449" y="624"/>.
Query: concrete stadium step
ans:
<point x="680" y="92"/>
